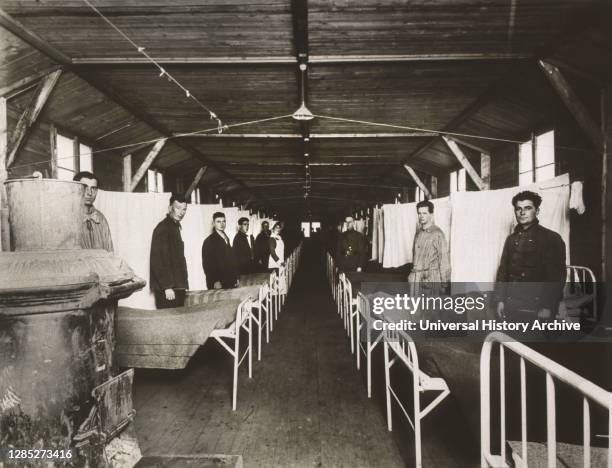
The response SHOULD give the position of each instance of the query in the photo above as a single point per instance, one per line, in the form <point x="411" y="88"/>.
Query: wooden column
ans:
<point x="76" y="150"/>
<point x="5" y="237"/>
<point x="127" y="172"/>
<point x="53" y="150"/>
<point x="606" y="202"/>
<point x="434" y="187"/>
<point x="485" y="169"/>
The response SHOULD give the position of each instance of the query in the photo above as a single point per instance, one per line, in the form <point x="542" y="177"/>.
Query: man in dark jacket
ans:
<point x="218" y="258"/>
<point x="531" y="271"/>
<point x="262" y="249"/>
<point x="244" y="248"/>
<point x="351" y="250"/>
<point x="168" y="266"/>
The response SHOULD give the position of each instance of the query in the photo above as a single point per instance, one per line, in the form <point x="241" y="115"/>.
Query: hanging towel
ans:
<point x="576" y="200"/>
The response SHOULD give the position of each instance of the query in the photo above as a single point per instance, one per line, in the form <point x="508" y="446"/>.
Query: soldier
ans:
<point x="531" y="271"/>
<point x="351" y="249"/>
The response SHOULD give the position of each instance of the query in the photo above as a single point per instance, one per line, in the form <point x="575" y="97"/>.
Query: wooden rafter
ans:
<point x="463" y="160"/>
<point x="146" y="164"/>
<point x="38" y="43"/>
<point x="196" y="181"/>
<point x="30" y="114"/>
<point x="418" y="181"/>
<point x="30" y="80"/>
<point x="573" y="103"/>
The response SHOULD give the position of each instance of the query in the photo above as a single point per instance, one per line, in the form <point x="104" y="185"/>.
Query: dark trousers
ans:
<point x="162" y="303"/>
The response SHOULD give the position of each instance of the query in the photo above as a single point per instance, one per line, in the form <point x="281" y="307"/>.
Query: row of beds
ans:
<point x="353" y="307"/>
<point x="168" y="338"/>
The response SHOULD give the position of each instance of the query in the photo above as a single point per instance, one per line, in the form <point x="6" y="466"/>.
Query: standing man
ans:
<point x="168" y="266"/>
<point x="351" y="249"/>
<point x="218" y="257"/>
<point x="431" y="270"/>
<point x="262" y="249"/>
<point x="531" y="272"/>
<point x="244" y="248"/>
<point x="95" y="233"/>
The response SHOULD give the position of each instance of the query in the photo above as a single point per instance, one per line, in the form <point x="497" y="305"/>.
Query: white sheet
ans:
<point x="400" y="223"/>
<point x="481" y="221"/>
<point x="132" y="218"/>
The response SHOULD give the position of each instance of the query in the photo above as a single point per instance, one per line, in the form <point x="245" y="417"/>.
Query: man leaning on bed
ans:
<point x="168" y="266"/>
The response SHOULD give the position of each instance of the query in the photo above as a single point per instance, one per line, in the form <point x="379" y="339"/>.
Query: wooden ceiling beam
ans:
<point x="45" y="47"/>
<point x="195" y="182"/>
<point x="574" y="104"/>
<point x="213" y="136"/>
<point x="418" y="181"/>
<point x="462" y="158"/>
<point x="97" y="61"/>
<point x="331" y="59"/>
<point x="17" y="87"/>
<point x="146" y="164"/>
<point x="30" y="114"/>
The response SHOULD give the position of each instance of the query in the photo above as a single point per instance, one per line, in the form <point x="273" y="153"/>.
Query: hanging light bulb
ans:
<point x="303" y="113"/>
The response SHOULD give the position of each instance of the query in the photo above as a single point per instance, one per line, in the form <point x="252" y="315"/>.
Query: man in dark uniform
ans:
<point x="168" y="266"/>
<point x="244" y="251"/>
<point x="531" y="271"/>
<point x="262" y="249"/>
<point x="218" y="257"/>
<point x="351" y="249"/>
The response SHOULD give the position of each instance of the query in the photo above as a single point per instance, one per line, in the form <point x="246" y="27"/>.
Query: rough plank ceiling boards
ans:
<point x="409" y="62"/>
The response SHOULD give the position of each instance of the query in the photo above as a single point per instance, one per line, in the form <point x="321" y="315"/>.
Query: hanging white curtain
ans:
<point x="481" y="221"/>
<point x="132" y="218"/>
<point x="399" y="224"/>
<point x="378" y="245"/>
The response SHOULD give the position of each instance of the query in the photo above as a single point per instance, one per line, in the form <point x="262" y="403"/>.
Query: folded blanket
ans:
<point x="167" y="338"/>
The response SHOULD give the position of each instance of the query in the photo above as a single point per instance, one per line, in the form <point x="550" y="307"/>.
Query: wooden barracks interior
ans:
<point x="304" y="112"/>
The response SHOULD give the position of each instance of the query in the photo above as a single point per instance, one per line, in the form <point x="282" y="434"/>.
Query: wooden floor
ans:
<point x="306" y="404"/>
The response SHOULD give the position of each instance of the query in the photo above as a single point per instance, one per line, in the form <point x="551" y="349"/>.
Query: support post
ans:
<point x="5" y="236"/>
<point x="463" y="160"/>
<point x="418" y="181"/>
<point x="434" y="187"/>
<point x="53" y="150"/>
<point x="127" y="172"/>
<point x="29" y="116"/>
<point x="146" y="164"/>
<point x="76" y="150"/>
<point x="485" y="169"/>
<point x="195" y="182"/>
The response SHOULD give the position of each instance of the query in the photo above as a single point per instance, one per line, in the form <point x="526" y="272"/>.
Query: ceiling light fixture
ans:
<point x="303" y="113"/>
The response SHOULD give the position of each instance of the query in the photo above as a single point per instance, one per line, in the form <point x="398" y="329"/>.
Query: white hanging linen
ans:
<point x="400" y="222"/>
<point x="576" y="199"/>
<point x="380" y="235"/>
<point x="400" y="225"/>
<point x="481" y="221"/>
<point x="132" y="217"/>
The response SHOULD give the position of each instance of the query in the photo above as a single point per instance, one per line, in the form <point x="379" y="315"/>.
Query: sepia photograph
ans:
<point x="305" y="233"/>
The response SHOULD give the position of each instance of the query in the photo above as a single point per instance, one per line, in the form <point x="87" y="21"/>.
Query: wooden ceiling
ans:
<point x="468" y="66"/>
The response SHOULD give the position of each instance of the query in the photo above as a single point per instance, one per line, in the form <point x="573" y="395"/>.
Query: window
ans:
<point x="155" y="181"/>
<point x="541" y="165"/>
<point x="68" y="164"/>
<point x="457" y="181"/>
<point x="306" y="229"/>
